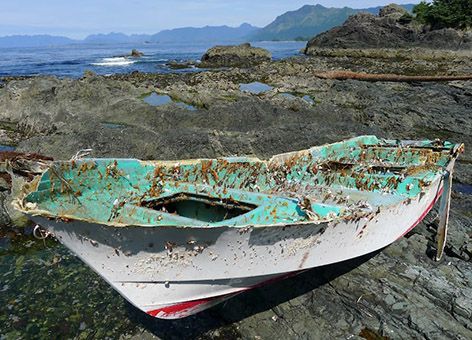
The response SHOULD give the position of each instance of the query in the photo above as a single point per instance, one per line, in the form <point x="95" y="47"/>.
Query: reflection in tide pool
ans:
<point x="155" y="99"/>
<point x="308" y="99"/>
<point x="255" y="87"/>
<point x="288" y="96"/>
<point x="186" y="106"/>
<point x="463" y="188"/>
<point x="7" y="148"/>
<point x="109" y="125"/>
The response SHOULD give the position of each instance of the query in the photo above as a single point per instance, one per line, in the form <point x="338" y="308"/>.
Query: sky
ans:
<point x="77" y="19"/>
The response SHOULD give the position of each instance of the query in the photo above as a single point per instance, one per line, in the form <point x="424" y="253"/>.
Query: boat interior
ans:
<point x="316" y="185"/>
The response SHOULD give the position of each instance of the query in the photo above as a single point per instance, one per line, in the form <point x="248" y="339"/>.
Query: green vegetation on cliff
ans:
<point x="445" y="13"/>
<point x="303" y="23"/>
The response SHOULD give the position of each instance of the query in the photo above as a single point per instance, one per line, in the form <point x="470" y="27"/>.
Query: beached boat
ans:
<point x="176" y="237"/>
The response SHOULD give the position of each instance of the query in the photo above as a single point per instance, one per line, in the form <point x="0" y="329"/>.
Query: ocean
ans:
<point x="73" y="60"/>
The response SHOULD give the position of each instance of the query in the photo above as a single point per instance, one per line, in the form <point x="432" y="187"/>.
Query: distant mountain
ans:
<point x="308" y="21"/>
<point x="214" y="34"/>
<point x="207" y="33"/>
<point x="113" y="38"/>
<point x="301" y="24"/>
<point x="34" y="41"/>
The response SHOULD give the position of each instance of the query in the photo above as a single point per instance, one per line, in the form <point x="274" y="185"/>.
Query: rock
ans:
<point x="365" y="30"/>
<point x="448" y="38"/>
<point x="136" y="54"/>
<point x="243" y="55"/>
<point x="89" y="74"/>
<point x="179" y="65"/>
<point x="393" y="11"/>
<point x="391" y="29"/>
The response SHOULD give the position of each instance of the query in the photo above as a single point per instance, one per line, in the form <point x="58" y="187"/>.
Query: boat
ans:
<point x="177" y="237"/>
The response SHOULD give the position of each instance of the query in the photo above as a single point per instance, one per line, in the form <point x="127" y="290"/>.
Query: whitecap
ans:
<point x="116" y="61"/>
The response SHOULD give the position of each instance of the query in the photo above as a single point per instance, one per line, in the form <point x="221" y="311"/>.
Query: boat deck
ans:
<point x="320" y="184"/>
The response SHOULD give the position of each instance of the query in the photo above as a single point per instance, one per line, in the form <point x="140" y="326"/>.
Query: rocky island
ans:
<point x="399" y="292"/>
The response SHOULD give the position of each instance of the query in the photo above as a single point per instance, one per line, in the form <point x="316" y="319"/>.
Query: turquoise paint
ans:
<point x="108" y="190"/>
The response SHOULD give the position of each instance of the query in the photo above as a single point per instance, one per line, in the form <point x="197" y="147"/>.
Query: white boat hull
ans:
<point x="171" y="272"/>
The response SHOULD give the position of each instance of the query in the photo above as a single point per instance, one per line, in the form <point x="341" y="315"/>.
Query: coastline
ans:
<point x="384" y="294"/>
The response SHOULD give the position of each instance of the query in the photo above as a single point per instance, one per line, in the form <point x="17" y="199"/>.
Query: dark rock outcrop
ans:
<point x="243" y="55"/>
<point x="179" y="65"/>
<point x="388" y="30"/>
<point x="136" y="54"/>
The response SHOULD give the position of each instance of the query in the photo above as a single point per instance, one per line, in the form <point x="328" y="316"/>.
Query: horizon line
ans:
<point x="121" y="32"/>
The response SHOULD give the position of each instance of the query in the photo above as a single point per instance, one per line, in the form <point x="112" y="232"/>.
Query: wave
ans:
<point x="115" y="61"/>
<point x="55" y="63"/>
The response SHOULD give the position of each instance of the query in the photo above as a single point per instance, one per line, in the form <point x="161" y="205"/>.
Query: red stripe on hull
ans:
<point x="187" y="308"/>
<point x="423" y="215"/>
<point x="179" y="308"/>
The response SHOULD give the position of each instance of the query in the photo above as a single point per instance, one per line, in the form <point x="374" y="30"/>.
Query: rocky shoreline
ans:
<point x="393" y="27"/>
<point x="399" y="292"/>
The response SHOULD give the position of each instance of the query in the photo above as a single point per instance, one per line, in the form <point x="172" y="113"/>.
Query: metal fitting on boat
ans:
<point x="40" y="233"/>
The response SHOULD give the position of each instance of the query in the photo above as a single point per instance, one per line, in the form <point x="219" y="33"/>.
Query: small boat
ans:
<point x="176" y="237"/>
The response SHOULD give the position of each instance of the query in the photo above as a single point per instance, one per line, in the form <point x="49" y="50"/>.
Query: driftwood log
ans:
<point x="344" y="75"/>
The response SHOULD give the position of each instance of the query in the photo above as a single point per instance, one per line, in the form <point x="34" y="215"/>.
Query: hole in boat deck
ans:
<point x="255" y="87"/>
<point x="155" y="99"/>
<point x="200" y="207"/>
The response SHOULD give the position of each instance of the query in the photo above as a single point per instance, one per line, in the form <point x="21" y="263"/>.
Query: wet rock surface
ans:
<point x="399" y="292"/>
<point x="243" y="55"/>
<point x="392" y="28"/>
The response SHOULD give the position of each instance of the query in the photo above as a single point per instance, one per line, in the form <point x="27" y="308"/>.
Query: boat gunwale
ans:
<point x="455" y="149"/>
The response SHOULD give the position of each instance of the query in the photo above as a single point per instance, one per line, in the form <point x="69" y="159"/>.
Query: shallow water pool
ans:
<point x="255" y="87"/>
<point x="155" y="99"/>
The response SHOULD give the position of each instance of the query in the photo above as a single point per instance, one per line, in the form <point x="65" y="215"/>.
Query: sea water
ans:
<point x="73" y="60"/>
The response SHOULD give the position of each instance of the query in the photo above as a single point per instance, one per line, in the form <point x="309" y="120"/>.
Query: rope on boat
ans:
<point x="81" y="154"/>
<point x="444" y="207"/>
